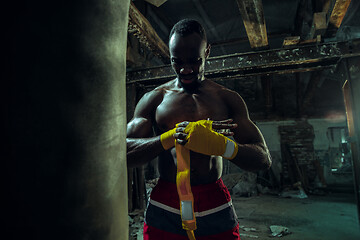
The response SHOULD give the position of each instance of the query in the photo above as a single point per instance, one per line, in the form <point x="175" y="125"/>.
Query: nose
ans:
<point x="186" y="69"/>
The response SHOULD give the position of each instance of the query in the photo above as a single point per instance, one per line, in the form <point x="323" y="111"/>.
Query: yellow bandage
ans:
<point x="167" y="139"/>
<point x="184" y="190"/>
<point x="203" y="139"/>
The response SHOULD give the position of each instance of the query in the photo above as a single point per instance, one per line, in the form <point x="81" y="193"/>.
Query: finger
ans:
<point x="224" y="121"/>
<point x="225" y="132"/>
<point x="180" y="141"/>
<point x="180" y="129"/>
<point x="180" y="135"/>
<point x="183" y="124"/>
<point x="224" y="125"/>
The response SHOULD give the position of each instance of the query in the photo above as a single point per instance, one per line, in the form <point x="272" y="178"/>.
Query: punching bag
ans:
<point x="64" y="120"/>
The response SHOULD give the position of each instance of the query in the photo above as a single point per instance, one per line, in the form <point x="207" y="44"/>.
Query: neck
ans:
<point x="190" y="88"/>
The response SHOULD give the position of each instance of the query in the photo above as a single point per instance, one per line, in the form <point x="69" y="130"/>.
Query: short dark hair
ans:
<point x="186" y="27"/>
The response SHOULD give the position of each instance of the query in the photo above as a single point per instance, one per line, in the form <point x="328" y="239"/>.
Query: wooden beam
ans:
<point x="278" y="61"/>
<point x="252" y="14"/>
<point x="146" y="34"/>
<point x="245" y="39"/>
<point x="338" y="12"/>
<point x="319" y="25"/>
<point x="291" y="41"/>
<point x="253" y="17"/>
<point x="327" y="22"/>
<point x="336" y="16"/>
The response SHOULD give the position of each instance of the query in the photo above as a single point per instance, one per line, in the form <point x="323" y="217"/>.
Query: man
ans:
<point x="173" y="111"/>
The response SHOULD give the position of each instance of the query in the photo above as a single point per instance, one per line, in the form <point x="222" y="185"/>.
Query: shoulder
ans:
<point x="232" y="99"/>
<point x="225" y="93"/>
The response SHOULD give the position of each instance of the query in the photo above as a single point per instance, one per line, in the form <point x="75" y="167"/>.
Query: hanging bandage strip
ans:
<point x="184" y="190"/>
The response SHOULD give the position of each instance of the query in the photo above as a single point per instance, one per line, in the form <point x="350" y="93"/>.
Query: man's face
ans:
<point x="187" y="56"/>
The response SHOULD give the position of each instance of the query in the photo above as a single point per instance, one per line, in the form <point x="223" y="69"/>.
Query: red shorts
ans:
<point x="214" y="212"/>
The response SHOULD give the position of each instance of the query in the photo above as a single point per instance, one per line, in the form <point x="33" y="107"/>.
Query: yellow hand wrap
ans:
<point x="184" y="190"/>
<point x="203" y="139"/>
<point x="167" y="139"/>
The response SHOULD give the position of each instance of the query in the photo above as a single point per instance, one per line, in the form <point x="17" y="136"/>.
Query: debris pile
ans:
<point x="136" y="224"/>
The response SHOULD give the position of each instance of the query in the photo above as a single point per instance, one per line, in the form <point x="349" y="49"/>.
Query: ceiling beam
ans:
<point x="338" y="12"/>
<point x="327" y="22"/>
<point x="252" y="14"/>
<point x="278" y="61"/>
<point x="337" y="15"/>
<point x="245" y="39"/>
<point x="253" y="17"/>
<point x="319" y="25"/>
<point x="142" y="29"/>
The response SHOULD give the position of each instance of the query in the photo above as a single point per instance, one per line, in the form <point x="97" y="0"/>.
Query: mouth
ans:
<point x="187" y="79"/>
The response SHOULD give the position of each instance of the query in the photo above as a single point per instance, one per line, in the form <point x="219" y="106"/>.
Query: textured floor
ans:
<point x="329" y="217"/>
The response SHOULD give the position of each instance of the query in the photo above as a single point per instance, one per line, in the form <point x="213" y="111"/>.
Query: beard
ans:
<point x="190" y="87"/>
<point x="194" y="85"/>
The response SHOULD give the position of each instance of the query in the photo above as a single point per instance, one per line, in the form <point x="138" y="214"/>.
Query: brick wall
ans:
<point x="298" y="150"/>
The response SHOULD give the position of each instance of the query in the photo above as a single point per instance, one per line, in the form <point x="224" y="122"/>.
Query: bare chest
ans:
<point x="178" y="107"/>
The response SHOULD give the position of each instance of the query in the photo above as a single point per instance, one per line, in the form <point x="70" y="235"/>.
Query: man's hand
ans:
<point x="200" y="137"/>
<point x="223" y="127"/>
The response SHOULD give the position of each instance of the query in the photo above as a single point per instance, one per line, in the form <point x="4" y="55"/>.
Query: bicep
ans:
<point x="246" y="131"/>
<point x="139" y="127"/>
<point x="141" y="124"/>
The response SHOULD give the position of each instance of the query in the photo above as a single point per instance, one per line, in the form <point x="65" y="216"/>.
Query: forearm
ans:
<point x="142" y="150"/>
<point x="252" y="157"/>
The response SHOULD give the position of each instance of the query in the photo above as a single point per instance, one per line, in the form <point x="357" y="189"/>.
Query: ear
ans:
<point x="207" y="51"/>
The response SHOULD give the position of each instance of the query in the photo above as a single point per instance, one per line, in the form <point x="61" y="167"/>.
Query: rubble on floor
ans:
<point x="297" y="191"/>
<point x="294" y="194"/>
<point x="248" y="229"/>
<point x="279" y="231"/>
<point x="136" y="224"/>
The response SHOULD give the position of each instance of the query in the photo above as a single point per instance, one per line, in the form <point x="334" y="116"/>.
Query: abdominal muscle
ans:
<point x="203" y="169"/>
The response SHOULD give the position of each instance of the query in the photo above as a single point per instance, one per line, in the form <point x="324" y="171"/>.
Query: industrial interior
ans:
<point x="75" y="70"/>
<point x="291" y="61"/>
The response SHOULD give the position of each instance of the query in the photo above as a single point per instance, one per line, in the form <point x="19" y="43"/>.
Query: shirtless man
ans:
<point x="189" y="98"/>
